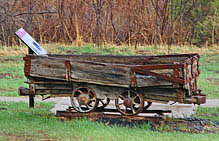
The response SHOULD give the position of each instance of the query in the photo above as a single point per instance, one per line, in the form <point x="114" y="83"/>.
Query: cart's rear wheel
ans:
<point x="129" y="103"/>
<point x="84" y="99"/>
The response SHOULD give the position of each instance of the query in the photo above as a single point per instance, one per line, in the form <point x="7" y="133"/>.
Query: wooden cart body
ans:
<point x="160" y="78"/>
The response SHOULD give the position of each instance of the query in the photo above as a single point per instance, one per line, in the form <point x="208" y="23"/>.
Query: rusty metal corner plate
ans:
<point x="200" y="98"/>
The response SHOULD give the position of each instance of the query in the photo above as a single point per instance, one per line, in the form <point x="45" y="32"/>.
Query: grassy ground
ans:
<point x="12" y="76"/>
<point x="209" y="78"/>
<point x="207" y="113"/>
<point x="17" y="122"/>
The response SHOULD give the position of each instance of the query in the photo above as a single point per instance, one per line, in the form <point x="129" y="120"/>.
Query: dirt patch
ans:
<point x="3" y="75"/>
<point x="213" y="80"/>
<point x="70" y="51"/>
<point x="88" y="53"/>
<point x="5" y="60"/>
<point x="9" y="75"/>
<point x="186" y="125"/>
<point x="14" y="137"/>
<point x="7" y="90"/>
<point x="144" y="52"/>
<point x="194" y="125"/>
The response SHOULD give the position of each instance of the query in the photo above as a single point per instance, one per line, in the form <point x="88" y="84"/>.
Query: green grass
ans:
<point x="92" y="49"/>
<point x="209" y="78"/>
<point x="207" y="113"/>
<point x="17" y="122"/>
<point x="11" y="75"/>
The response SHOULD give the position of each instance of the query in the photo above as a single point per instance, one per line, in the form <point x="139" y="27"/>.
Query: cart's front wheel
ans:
<point x="129" y="102"/>
<point x="84" y="99"/>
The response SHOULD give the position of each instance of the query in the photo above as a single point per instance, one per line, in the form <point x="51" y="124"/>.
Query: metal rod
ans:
<point x="31" y="101"/>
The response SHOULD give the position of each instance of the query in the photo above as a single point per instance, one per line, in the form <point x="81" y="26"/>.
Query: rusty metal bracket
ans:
<point x="159" y="67"/>
<point x="133" y="80"/>
<point x="68" y="70"/>
<point x="176" y="76"/>
<point x="23" y="91"/>
<point x="27" y="65"/>
<point x="200" y="98"/>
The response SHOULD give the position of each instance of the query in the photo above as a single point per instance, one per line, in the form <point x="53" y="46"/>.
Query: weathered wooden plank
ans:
<point x="124" y="59"/>
<point x="48" y="68"/>
<point x="54" y="86"/>
<point x="53" y="92"/>
<point x="169" y="92"/>
<point x="160" y="98"/>
<point x="106" y="74"/>
<point x="160" y="94"/>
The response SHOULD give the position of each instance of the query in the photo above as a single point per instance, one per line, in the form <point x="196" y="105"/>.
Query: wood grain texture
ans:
<point x="104" y="70"/>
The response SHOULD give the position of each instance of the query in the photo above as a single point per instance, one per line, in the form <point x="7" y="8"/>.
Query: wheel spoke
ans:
<point x="135" y="97"/>
<point x="129" y="94"/>
<point x="79" y="91"/>
<point x="122" y="97"/>
<point x="126" y="108"/>
<point x="92" y="99"/>
<point x="88" y="92"/>
<point x="89" y="106"/>
<point x="79" y="107"/>
<point x="137" y="104"/>
<point x="133" y="110"/>
<point x="121" y="104"/>
<point x="90" y="102"/>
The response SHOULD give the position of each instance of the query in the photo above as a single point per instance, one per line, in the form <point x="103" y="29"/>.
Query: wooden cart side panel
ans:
<point x="99" y="73"/>
<point x="90" y="72"/>
<point x="106" y="73"/>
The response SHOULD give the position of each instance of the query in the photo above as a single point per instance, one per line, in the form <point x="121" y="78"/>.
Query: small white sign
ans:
<point x="30" y="42"/>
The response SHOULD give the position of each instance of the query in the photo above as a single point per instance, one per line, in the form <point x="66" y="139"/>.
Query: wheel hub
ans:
<point x="83" y="99"/>
<point x="128" y="102"/>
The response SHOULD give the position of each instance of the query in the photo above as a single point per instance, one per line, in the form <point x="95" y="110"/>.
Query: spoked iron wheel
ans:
<point x="129" y="103"/>
<point x="103" y="102"/>
<point x="84" y="99"/>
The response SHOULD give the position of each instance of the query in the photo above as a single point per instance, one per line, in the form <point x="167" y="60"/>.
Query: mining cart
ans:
<point x="132" y="82"/>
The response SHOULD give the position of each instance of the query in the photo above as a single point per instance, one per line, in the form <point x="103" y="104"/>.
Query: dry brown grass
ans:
<point x="164" y="49"/>
<point x="13" y="50"/>
<point x="144" y="50"/>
